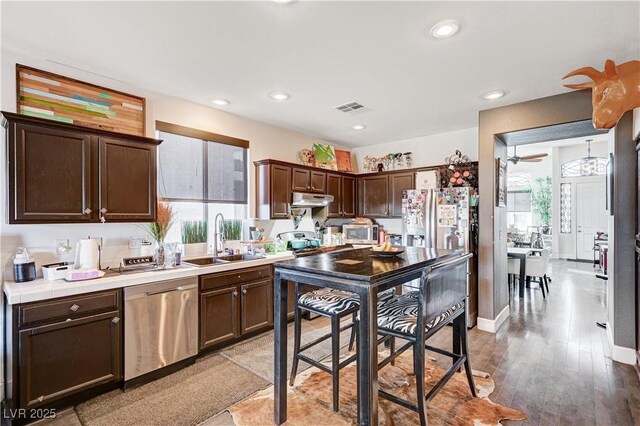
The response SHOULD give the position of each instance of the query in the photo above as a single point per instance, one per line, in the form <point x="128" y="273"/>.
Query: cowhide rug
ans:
<point x="309" y="400"/>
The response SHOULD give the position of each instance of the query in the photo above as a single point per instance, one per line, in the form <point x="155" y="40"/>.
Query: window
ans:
<point x="519" y="201"/>
<point x="201" y="174"/>
<point x="197" y="166"/>
<point x="565" y="208"/>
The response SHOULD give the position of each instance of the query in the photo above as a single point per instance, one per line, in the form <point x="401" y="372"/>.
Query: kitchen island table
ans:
<point x="359" y="272"/>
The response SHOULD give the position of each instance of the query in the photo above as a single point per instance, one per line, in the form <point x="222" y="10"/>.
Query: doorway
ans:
<point x="591" y="217"/>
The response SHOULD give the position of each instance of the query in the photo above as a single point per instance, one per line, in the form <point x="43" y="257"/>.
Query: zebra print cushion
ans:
<point x="330" y="301"/>
<point x="400" y="314"/>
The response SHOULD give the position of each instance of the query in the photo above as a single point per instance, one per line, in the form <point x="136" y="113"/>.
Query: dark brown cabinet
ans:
<point x="381" y="195"/>
<point x="256" y="307"/>
<point x="57" y="356"/>
<point x="235" y="303"/>
<point x="273" y="191"/>
<point x="397" y="184"/>
<point x="127" y="180"/>
<point x="219" y="316"/>
<point x="306" y="180"/>
<point x="374" y="196"/>
<point x="61" y="173"/>
<point x="343" y="189"/>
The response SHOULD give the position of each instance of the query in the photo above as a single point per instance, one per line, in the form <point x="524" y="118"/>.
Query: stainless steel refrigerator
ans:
<point x="445" y="218"/>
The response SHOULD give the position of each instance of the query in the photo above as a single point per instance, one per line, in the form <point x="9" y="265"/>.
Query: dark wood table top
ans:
<point x="361" y="265"/>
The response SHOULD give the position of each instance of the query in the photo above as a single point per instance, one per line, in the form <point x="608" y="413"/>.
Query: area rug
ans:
<point x="187" y="397"/>
<point x="309" y="401"/>
<point x="256" y="354"/>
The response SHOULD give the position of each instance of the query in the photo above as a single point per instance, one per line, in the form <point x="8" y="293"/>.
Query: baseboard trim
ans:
<point x="492" y="325"/>
<point x="620" y="353"/>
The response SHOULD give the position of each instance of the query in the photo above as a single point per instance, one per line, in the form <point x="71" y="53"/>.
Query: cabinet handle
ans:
<point x="235" y="294"/>
<point x="244" y="291"/>
<point x="87" y="211"/>
<point x="115" y="320"/>
<point x="103" y="219"/>
<point x="74" y="307"/>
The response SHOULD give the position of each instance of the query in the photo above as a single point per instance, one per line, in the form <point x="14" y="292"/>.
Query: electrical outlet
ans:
<point x="137" y="242"/>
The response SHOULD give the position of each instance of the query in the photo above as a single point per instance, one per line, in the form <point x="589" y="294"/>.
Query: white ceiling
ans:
<point x="328" y="53"/>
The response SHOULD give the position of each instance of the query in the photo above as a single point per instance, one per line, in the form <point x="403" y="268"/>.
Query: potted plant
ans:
<point x="541" y="198"/>
<point x="194" y="238"/>
<point x="159" y="230"/>
<point x="232" y="231"/>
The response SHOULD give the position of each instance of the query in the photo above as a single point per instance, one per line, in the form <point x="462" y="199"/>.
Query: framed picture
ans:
<point x="325" y="156"/>
<point x="501" y="183"/>
<point x="47" y="95"/>
<point x="343" y="159"/>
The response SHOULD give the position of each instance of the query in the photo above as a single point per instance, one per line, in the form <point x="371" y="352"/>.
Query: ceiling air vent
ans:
<point x="352" y="107"/>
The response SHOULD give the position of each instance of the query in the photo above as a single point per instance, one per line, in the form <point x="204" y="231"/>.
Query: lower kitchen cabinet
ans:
<point x="235" y="303"/>
<point x="255" y="305"/>
<point x="52" y="358"/>
<point x="64" y="358"/>
<point x="219" y="316"/>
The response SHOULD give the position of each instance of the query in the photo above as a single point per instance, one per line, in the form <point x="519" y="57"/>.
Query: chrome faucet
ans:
<point x="217" y="233"/>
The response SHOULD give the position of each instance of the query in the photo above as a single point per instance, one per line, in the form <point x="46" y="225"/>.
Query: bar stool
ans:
<point x="335" y="305"/>
<point x="418" y="315"/>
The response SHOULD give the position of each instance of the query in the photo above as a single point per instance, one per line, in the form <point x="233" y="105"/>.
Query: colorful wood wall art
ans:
<point x="615" y="91"/>
<point x="55" y="97"/>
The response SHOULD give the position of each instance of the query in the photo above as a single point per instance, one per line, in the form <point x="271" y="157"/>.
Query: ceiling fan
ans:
<point x="534" y="158"/>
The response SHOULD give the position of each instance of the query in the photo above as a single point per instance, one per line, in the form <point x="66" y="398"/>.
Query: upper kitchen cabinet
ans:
<point x="273" y="190"/>
<point x="381" y="194"/>
<point x="306" y="180"/>
<point x="343" y="189"/>
<point x="127" y="181"/>
<point x="374" y="196"/>
<point x="61" y="173"/>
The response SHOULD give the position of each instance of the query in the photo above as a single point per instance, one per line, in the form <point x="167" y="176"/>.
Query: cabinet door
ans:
<point x="375" y="196"/>
<point x="256" y="305"/>
<point x="397" y="184"/>
<point x="127" y="181"/>
<point x="280" y="191"/>
<point x="50" y="176"/>
<point x="334" y="187"/>
<point x="219" y="316"/>
<point x="300" y="180"/>
<point x="318" y="182"/>
<point x="65" y="358"/>
<point x="348" y="196"/>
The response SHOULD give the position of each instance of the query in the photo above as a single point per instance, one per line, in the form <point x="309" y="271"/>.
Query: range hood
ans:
<point x="301" y="199"/>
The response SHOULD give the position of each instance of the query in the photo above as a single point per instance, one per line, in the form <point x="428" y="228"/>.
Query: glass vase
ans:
<point x="159" y="254"/>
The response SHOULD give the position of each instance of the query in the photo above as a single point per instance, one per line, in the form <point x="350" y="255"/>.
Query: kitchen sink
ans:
<point x="211" y="260"/>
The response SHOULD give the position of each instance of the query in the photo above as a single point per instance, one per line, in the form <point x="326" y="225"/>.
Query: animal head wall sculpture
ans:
<point x="615" y="91"/>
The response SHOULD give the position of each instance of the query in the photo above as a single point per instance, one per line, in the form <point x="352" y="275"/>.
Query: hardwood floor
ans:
<point x="551" y="361"/>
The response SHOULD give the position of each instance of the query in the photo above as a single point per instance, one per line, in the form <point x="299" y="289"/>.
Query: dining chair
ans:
<point x="416" y="316"/>
<point x="536" y="267"/>
<point x="513" y="271"/>
<point x="335" y="305"/>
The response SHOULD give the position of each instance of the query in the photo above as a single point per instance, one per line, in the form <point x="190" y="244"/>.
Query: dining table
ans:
<point x="521" y="253"/>
<point x="364" y="273"/>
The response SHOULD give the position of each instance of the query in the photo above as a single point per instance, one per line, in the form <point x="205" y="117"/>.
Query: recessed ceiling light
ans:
<point x="220" y="102"/>
<point x="445" y="29"/>
<point x="359" y="127"/>
<point x="279" y="96"/>
<point x="496" y="94"/>
<point x="283" y="1"/>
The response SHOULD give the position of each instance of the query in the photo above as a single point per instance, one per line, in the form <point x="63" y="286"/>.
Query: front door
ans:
<point x="591" y="216"/>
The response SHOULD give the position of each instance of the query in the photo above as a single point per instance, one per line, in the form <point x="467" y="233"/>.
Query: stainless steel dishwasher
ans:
<point x="160" y="325"/>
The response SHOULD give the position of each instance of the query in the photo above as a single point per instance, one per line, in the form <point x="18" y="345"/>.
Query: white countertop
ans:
<point x="42" y="289"/>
